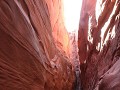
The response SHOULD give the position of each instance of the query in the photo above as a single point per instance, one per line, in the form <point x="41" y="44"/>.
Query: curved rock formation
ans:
<point x="98" y="43"/>
<point x="34" y="46"/>
<point x="35" y="51"/>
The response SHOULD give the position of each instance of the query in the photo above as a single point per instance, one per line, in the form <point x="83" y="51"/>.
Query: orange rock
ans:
<point x="27" y="46"/>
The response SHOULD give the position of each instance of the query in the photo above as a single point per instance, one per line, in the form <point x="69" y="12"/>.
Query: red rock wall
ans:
<point x="98" y="43"/>
<point x="29" y="56"/>
<point x="59" y="31"/>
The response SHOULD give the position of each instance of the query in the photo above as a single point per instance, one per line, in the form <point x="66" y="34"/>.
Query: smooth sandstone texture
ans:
<point x="34" y="46"/>
<point x="99" y="44"/>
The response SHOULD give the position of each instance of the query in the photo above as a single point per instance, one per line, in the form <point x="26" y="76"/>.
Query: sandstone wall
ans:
<point x="30" y="58"/>
<point x="98" y="43"/>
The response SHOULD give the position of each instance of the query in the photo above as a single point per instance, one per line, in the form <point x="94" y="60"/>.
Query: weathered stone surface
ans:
<point x="59" y="32"/>
<point x="111" y="79"/>
<point x="30" y="58"/>
<point x="98" y="43"/>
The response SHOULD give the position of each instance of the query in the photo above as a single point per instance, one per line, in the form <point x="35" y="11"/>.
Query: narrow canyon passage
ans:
<point x="72" y="11"/>
<point x="59" y="44"/>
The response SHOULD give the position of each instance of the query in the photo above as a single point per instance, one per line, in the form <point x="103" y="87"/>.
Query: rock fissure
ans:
<point x="37" y="52"/>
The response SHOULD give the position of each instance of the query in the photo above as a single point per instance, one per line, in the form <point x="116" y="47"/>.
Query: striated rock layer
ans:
<point x="34" y="46"/>
<point x="99" y="44"/>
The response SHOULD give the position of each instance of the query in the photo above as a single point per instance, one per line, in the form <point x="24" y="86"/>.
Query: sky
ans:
<point x="72" y="14"/>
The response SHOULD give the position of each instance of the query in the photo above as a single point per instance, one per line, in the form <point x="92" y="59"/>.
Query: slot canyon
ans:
<point x="42" y="48"/>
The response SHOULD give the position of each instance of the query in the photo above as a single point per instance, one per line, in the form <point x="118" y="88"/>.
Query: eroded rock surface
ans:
<point x="33" y="46"/>
<point x="99" y="42"/>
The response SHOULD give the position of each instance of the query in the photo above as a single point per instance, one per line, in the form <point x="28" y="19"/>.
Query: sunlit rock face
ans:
<point x="33" y="39"/>
<point x="99" y="44"/>
<point x="59" y="31"/>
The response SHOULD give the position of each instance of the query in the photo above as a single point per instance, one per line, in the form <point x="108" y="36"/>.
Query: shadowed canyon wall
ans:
<point x="99" y="44"/>
<point x="34" y="46"/>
